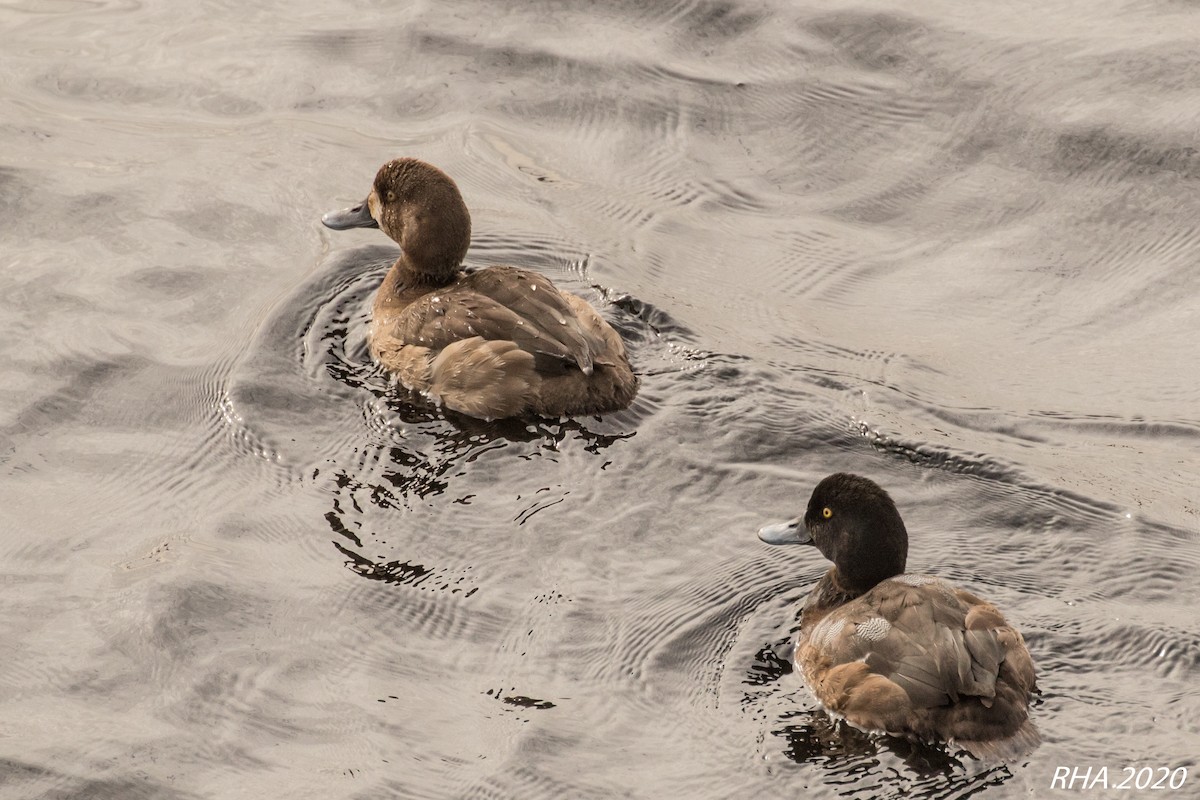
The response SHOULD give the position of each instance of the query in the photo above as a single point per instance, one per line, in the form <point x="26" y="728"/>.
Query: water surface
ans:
<point x="951" y="247"/>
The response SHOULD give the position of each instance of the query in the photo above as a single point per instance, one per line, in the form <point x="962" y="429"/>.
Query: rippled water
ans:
<point x="950" y="246"/>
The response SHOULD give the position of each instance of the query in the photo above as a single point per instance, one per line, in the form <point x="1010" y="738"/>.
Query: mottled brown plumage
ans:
<point x="907" y="654"/>
<point x="493" y="343"/>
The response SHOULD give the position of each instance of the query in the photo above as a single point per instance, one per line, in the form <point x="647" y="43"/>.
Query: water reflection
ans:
<point x="401" y="455"/>
<point x="435" y="449"/>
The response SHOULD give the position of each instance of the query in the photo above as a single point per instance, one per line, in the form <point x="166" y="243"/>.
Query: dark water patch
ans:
<point x="272" y="397"/>
<point x="32" y="780"/>
<point x="726" y="194"/>
<point x="14" y="772"/>
<point x="985" y="420"/>
<point x="540" y="503"/>
<point x="425" y="461"/>
<point x="827" y="121"/>
<point x="1162" y="68"/>
<point x="440" y="604"/>
<point x="199" y="648"/>
<point x="935" y="457"/>
<point x="888" y="204"/>
<point x="1157" y="574"/>
<point x="1121" y="154"/>
<point x="38" y="134"/>
<point x="242" y="438"/>
<point x="96" y="213"/>
<point x="57" y="431"/>
<point x="1167" y="537"/>
<point x="686" y="629"/>
<point x="1077" y="647"/>
<point x="680" y="74"/>
<point x="875" y="41"/>
<point x="1027" y="493"/>
<point x="187" y="615"/>
<point x="746" y="415"/>
<point x="772" y="662"/>
<point x="233" y="698"/>
<point x="813" y="737"/>
<point x="520" y="701"/>
<point x="224" y="104"/>
<point x="99" y="89"/>
<point x="342" y="44"/>
<point x="861" y="105"/>
<point x="588" y="93"/>
<point x="170" y="282"/>
<point x="533" y="782"/>
<point x="644" y="325"/>
<point x="77" y="398"/>
<point x="15" y="195"/>
<point x="512" y="60"/>
<point x="718" y="19"/>
<point x="1167" y="247"/>
<point x="587" y="109"/>
<point x="631" y="214"/>
<point x="40" y="210"/>
<point x="405" y="573"/>
<point x="35" y="297"/>
<point x="221" y="221"/>
<point x="399" y="789"/>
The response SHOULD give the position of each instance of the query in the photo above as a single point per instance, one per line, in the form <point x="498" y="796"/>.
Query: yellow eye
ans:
<point x="826" y="512"/>
<point x="391" y="196"/>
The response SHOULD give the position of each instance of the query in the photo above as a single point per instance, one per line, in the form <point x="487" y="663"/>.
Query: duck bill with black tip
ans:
<point x="793" y="531"/>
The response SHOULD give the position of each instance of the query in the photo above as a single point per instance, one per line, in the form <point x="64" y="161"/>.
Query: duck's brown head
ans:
<point x="419" y="207"/>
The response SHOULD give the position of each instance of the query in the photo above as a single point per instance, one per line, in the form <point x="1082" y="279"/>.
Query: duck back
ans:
<point x="915" y="656"/>
<point x="503" y="341"/>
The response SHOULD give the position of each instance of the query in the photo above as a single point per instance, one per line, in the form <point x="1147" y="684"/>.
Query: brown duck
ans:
<point x="490" y="343"/>
<point x="906" y="654"/>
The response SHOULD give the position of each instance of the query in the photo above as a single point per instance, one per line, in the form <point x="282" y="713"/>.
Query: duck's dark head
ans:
<point x="421" y="209"/>
<point x="855" y="524"/>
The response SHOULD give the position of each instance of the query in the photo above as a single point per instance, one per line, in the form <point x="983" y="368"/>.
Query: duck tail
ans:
<point x="487" y="379"/>
<point x="1020" y="743"/>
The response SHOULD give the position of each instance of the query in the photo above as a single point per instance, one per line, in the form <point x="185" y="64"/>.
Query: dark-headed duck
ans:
<point x="490" y="343"/>
<point x="906" y="654"/>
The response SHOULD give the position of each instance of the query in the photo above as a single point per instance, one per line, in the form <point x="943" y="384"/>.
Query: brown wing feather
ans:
<point x="502" y="304"/>
<point x="927" y="649"/>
